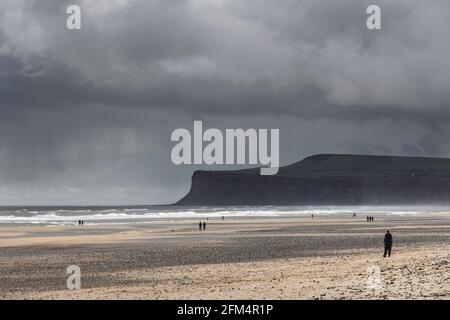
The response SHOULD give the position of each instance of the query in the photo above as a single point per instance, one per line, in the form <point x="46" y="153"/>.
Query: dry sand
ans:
<point x="264" y="258"/>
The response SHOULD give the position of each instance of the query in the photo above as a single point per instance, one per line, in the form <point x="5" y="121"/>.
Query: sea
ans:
<point x="69" y="215"/>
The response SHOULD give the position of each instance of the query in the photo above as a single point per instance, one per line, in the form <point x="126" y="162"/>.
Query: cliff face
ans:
<point x="328" y="180"/>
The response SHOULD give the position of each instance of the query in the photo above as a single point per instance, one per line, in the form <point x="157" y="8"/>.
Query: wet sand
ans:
<point x="239" y="258"/>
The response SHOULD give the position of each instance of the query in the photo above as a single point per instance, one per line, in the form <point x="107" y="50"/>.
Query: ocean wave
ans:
<point x="68" y="216"/>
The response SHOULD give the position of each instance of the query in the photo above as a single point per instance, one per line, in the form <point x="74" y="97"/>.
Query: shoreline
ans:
<point x="67" y="216"/>
<point x="147" y="260"/>
<point x="344" y="277"/>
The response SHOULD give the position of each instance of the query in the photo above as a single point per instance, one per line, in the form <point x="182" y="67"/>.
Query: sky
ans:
<point x="86" y="115"/>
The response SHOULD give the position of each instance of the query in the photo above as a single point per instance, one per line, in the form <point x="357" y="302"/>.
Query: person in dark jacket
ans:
<point x="387" y="244"/>
<point x="200" y="226"/>
<point x="204" y="225"/>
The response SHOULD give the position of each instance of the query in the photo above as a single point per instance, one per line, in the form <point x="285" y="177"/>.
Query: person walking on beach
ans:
<point x="200" y="226"/>
<point x="387" y="244"/>
<point x="204" y="225"/>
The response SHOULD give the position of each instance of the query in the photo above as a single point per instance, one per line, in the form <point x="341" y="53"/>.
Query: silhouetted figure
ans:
<point x="200" y="226"/>
<point x="82" y="222"/>
<point x="387" y="244"/>
<point x="79" y="222"/>
<point x="223" y="218"/>
<point x="367" y="218"/>
<point x="204" y="226"/>
<point x="312" y="216"/>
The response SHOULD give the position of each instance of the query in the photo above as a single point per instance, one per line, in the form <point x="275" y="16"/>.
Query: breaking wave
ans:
<point x="52" y="216"/>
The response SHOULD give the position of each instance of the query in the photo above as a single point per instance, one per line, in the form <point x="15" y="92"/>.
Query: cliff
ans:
<point x="328" y="179"/>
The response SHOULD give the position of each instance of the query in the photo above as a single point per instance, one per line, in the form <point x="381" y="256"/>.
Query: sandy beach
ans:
<point x="238" y="258"/>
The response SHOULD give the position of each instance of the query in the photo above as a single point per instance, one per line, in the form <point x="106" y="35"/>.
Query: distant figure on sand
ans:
<point x="204" y="226"/>
<point x="223" y="218"/>
<point x="387" y="244"/>
<point x="312" y="216"/>
<point x="200" y="226"/>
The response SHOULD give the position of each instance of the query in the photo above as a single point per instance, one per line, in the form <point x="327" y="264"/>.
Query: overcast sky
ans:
<point x="86" y="116"/>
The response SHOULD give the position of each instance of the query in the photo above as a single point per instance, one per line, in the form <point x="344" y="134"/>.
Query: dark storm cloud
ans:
<point x="230" y="56"/>
<point x="86" y="116"/>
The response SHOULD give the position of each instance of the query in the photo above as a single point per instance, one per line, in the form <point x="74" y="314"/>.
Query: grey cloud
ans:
<point x="303" y="54"/>
<point x="85" y="117"/>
